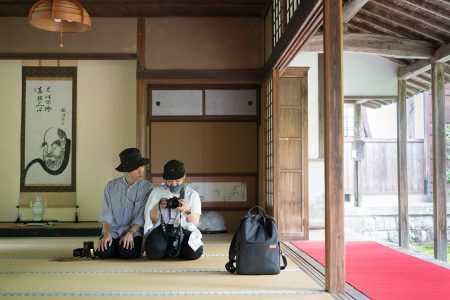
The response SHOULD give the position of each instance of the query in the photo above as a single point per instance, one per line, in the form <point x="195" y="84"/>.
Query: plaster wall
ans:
<point x="106" y="114"/>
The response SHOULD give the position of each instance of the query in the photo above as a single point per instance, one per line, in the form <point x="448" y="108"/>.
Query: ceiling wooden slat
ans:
<point x="432" y="9"/>
<point x="390" y="18"/>
<point x="416" y="16"/>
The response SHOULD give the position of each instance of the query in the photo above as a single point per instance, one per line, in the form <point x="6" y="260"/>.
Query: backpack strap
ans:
<point x="283" y="258"/>
<point x="232" y="255"/>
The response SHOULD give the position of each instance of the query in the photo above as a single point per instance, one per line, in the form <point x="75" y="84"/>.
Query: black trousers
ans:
<point x="115" y="250"/>
<point x="156" y="245"/>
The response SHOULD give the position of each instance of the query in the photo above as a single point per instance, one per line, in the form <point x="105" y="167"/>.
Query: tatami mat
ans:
<point x="28" y="269"/>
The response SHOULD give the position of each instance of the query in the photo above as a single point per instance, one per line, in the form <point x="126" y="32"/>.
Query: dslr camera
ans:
<point x="173" y="236"/>
<point x="87" y="250"/>
<point x="173" y="202"/>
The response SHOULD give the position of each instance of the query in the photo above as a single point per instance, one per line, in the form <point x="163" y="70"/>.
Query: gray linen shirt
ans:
<point x="124" y="205"/>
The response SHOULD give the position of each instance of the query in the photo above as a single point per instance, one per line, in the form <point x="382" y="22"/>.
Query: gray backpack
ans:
<point x="255" y="247"/>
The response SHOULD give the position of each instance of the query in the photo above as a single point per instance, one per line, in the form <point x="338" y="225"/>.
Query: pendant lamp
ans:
<point x="60" y="16"/>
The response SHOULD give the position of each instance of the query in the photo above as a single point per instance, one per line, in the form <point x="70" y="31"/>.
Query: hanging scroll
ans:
<point x="48" y="129"/>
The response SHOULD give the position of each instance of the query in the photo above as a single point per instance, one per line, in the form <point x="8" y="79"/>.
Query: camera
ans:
<point x="173" y="202"/>
<point x="87" y="250"/>
<point x="173" y="236"/>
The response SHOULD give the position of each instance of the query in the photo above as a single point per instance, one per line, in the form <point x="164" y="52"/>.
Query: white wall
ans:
<point x="368" y="74"/>
<point x="10" y="108"/>
<point x="106" y="123"/>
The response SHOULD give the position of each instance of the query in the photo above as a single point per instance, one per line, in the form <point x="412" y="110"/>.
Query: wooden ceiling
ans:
<point x="405" y="31"/>
<point x="421" y="25"/>
<point x="152" y="8"/>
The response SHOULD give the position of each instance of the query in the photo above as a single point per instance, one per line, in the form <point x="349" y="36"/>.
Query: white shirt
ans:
<point x="190" y="196"/>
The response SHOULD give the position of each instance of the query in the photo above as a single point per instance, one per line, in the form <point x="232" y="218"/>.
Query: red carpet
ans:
<point x="384" y="273"/>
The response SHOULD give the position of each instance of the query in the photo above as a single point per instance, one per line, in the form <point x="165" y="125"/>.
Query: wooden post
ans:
<point x="402" y="167"/>
<point x="439" y="163"/>
<point x="357" y="137"/>
<point x="141" y="92"/>
<point x="334" y="148"/>
<point x="321" y="70"/>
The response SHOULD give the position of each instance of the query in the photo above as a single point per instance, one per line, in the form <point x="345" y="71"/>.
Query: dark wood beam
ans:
<point x="351" y="8"/>
<point x="440" y="55"/>
<point x="184" y="76"/>
<point x="439" y="163"/>
<point x="141" y="91"/>
<point x="334" y="148"/>
<point x="377" y="44"/>
<point x="402" y="166"/>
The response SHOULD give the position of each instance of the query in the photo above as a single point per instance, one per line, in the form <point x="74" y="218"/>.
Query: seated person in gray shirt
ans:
<point x="122" y="213"/>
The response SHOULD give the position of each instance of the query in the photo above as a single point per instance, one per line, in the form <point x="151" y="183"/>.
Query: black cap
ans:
<point x="174" y="169"/>
<point x="130" y="160"/>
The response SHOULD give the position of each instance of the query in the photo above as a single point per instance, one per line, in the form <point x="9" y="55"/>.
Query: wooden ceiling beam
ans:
<point x="351" y="8"/>
<point x="440" y="55"/>
<point x="383" y="26"/>
<point x="409" y="26"/>
<point x="418" y="85"/>
<point x="407" y="13"/>
<point x="362" y="26"/>
<point x="428" y="7"/>
<point x="413" y="89"/>
<point x="356" y="29"/>
<point x="377" y="44"/>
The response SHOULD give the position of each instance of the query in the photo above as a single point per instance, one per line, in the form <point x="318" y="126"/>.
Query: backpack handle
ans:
<point x="259" y="210"/>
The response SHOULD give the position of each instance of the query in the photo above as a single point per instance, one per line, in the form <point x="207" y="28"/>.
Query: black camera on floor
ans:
<point x="173" y="202"/>
<point x="87" y="250"/>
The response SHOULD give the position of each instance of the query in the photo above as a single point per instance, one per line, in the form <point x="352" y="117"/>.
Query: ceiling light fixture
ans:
<point x="60" y="16"/>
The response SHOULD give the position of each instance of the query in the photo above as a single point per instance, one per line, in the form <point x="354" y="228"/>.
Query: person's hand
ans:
<point x="184" y="206"/>
<point x="163" y="202"/>
<point x="105" y="241"/>
<point x="127" y="241"/>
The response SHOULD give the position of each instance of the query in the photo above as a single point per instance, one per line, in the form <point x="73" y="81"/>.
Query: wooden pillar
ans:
<point x="402" y="167"/>
<point x="439" y="163"/>
<point x="334" y="148"/>
<point x="357" y="137"/>
<point x="141" y="91"/>
<point x="321" y="70"/>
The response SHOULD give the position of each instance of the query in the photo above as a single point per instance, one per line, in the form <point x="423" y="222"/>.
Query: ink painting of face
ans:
<point x="54" y="148"/>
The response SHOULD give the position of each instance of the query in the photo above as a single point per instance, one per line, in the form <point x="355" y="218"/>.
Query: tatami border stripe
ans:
<point x="124" y="271"/>
<point x="161" y="293"/>
<point x="53" y="256"/>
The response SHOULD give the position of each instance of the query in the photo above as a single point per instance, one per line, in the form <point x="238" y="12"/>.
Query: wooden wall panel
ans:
<point x="204" y="43"/>
<point x="205" y="147"/>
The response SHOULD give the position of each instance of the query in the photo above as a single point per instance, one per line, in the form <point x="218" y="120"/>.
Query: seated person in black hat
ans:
<point x="122" y="213"/>
<point x="172" y="212"/>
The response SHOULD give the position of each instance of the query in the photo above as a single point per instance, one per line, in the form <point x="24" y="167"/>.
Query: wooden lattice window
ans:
<point x="268" y="143"/>
<point x="277" y="21"/>
<point x="292" y="6"/>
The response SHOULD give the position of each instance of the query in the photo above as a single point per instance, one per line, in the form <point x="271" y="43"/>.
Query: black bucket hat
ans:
<point x="130" y="160"/>
<point x="174" y="169"/>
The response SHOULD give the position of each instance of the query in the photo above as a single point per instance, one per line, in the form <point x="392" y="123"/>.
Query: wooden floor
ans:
<point x="28" y="269"/>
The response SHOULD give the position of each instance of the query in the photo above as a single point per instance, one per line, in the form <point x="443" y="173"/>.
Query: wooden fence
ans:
<point x="379" y="167"/>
